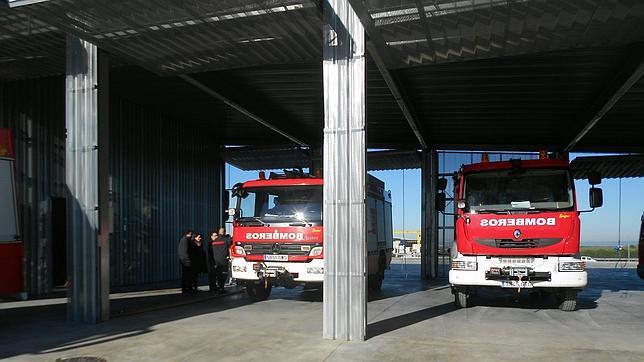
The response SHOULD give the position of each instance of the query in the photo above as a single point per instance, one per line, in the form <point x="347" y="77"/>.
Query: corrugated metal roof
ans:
<point x="488" y="79"/>
<point x="619" y="166"/>
<point x="170" y="37"/>
<point x="458" y="30"/>
<point x="29" y="47"/>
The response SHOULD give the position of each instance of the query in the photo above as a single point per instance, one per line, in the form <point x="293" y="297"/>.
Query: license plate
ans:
<point x="276" y="257"/>
<point x="516" y="284"/>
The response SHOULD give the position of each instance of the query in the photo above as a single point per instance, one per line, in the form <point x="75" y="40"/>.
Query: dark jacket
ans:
<point x="218" y="253"/>
<point x="197" y="257"/>
<point x="182" y="250"/>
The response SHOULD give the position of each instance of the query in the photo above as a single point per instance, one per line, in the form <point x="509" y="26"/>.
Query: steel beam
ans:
<point x="429" y="215"/>
<point x="105" y="209"/>
<point x="241" y="109"/>
<point x="87" y="294"/>
<point x="631" y="72"/>
<point x="381" y="55"/>
<point x="345" y="293"/>
<point x="399" y="95"/>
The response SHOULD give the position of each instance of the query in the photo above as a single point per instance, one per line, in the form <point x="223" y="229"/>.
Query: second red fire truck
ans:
<point x="517" y="226"/>
<point x="278" y="232"/>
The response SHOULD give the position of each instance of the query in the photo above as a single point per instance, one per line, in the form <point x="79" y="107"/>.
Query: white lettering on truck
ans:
<point x="274" y="236"/>
<point x="539" y="221"/>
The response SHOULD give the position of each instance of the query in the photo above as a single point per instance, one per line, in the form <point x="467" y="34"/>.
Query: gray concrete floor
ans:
<point x="408" y="320"/>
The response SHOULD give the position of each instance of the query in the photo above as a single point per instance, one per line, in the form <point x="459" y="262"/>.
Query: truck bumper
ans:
<point x="307" y="272"/>
<point x="543" y="273"/>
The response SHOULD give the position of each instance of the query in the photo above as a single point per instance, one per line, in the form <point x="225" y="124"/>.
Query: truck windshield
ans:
<point x="507" y="190"/>
<point x="286" y="204"/>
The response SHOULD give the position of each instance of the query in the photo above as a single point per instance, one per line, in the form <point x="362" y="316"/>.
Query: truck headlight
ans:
<point x="572" y="266"/>
<point x="316" y="251"/>
<point x="239" y="250"/>
<point x="239" y="268"/>
<point x="464" y="265"/>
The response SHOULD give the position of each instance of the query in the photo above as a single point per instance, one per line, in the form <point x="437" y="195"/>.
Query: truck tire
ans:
<point x="461" y="299"/>
<point x="375" y="281"/>
<point x="257" y="291"/>
<point x="568" y="301"/>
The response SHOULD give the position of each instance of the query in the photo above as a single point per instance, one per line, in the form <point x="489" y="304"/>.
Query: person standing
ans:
<point x="184" y="261"/>
<point x="219" y="260"/>
<point x="197" y="257"/>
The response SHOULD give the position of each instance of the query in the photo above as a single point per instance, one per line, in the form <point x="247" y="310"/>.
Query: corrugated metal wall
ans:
<point x="165" y="177"/>
<point x="35" y="110"/>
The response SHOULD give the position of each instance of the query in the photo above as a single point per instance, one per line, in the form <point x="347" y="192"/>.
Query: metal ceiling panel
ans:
<point x="29" y="47"/>
<point x="170" y="37"/>
<point x="619" y="166"/>
<point x="439" y="31"/>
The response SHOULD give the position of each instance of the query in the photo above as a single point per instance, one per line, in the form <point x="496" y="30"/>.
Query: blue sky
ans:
<point x="600" y="227"/>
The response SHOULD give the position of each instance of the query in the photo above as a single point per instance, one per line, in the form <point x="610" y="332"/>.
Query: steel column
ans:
<point x="429" y="215"/>
<point x="86" y="295"/>
<point x="345" y="294"/>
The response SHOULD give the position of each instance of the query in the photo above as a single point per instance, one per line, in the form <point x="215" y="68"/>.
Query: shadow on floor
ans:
<point x="402" y="321"/>
<point x="47" y="330"/>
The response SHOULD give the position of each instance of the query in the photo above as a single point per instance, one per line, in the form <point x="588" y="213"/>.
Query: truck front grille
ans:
<point x="284" y="249"/>
<point x="518" y="244"/>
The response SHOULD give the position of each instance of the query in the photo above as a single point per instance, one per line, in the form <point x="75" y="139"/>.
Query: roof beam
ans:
<point x="631" y="72"/>
<point x="241" y="109"/>
<point x="399" y="95"/>
<point x="381" y="56"/>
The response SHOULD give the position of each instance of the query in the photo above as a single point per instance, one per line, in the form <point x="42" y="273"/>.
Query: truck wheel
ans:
<point x="568" y="301"/>
<point x="257" y="291"/>
<point x="460" y="299"/>
<point x="375" y="281"/>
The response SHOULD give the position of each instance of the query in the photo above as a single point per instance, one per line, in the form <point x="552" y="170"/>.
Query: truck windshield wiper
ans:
<point x="490" y="211"/>
<point x="254" y="218"/>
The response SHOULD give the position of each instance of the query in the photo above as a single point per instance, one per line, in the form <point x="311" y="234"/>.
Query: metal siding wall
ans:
<point x="165" y="178"/>
<point x="157" y="164"/>
<point x="34" y="110"/>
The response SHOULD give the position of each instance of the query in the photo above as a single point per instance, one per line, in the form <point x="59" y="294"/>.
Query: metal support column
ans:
<point x="88" y="296"/>
<point x="429" y="216"/>
<point x="222" y="195"/>
<point x="345" y="294"/>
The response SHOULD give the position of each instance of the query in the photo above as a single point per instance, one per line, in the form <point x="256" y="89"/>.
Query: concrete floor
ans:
<point x="409" y="320"/>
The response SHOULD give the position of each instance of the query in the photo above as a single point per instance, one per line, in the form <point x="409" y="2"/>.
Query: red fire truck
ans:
<point x="278" y="232"/>
<point x="517" y="226"/>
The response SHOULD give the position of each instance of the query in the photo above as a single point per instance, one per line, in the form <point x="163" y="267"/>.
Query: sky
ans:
<point x="600" y="227"/>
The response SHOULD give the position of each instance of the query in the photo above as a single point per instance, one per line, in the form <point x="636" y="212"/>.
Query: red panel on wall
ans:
<point x="11" y="268"/>
<point x="6" y="143"/>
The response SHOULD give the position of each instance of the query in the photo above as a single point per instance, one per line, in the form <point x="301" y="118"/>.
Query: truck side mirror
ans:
<point x="440" y="202"/>
<point x="442" y="184"/>
<point x="595" y="197"/>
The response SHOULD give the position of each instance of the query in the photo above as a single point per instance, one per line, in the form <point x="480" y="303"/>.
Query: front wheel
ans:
<point x="257" y="291"/>
<point x="568" y="301"/>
